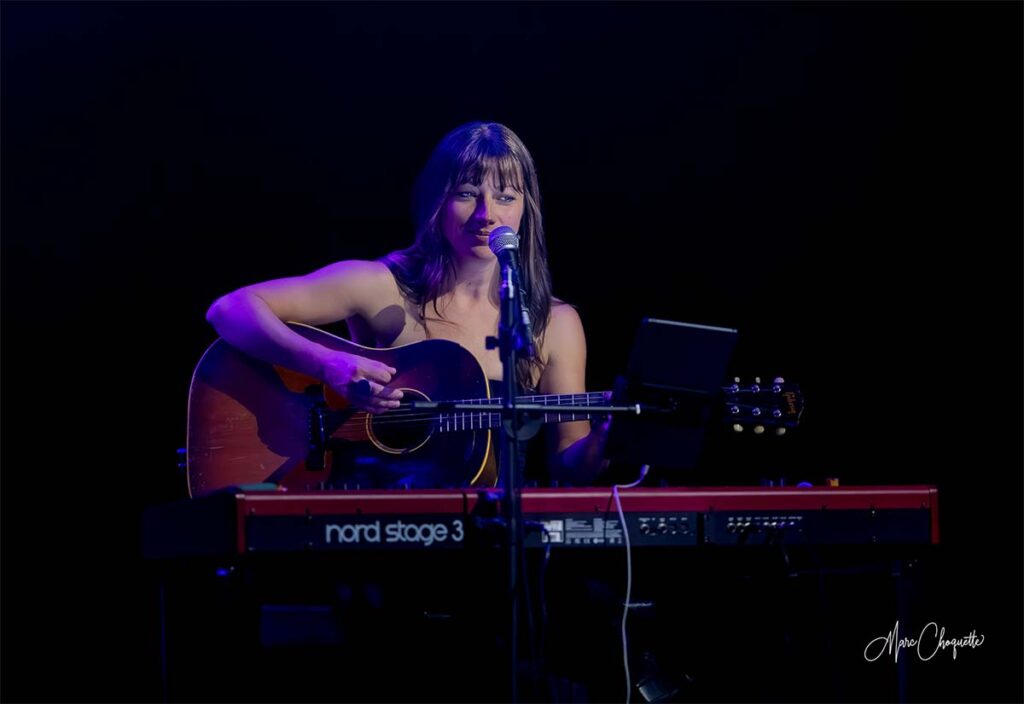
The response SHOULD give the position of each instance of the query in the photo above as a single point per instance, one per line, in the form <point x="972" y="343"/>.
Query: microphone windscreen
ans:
<point x="502" y="238"/>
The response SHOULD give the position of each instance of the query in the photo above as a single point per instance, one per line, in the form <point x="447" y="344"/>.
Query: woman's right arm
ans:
<point x="252" y="319"/>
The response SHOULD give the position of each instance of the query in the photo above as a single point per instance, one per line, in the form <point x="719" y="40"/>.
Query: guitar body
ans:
<point x="250" y="422"/>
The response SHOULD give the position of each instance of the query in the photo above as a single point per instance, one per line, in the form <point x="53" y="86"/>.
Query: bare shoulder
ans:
<point x="564" y="354"/>
<point x="354" y="271"/>
<point x="564" y="335"/>
<point x="366" y="286"/>
<point x="564" y="320"/>
<point x="334" y="292"/>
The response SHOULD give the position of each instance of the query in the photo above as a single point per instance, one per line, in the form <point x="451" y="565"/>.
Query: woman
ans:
<point x="445" y="286"/>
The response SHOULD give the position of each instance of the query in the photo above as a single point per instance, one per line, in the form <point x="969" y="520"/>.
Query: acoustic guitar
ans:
<point x="250" y="422"/>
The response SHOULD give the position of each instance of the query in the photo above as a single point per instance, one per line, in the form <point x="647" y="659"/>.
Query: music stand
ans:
<point x="672" y="365"/>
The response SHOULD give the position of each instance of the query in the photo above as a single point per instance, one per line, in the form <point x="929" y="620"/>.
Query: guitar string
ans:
<point x="404" y="413"/>
<point x="401" y="415"/>
<point x="413" y="415"/>
<point x="453" y="420"/>
<point x="356" y="432"/>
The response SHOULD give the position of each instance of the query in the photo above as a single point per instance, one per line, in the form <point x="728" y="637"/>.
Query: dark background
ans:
<point x="841" y="182"/>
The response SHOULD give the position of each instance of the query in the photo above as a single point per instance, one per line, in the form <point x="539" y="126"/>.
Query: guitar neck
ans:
<point x="777" y="404"/>
<point x="486" y="420"/>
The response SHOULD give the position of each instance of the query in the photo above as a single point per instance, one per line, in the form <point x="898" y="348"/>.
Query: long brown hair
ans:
<point x="426" y="269"/>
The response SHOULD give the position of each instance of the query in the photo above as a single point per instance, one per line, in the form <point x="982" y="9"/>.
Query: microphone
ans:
<point x="504" y="242"/>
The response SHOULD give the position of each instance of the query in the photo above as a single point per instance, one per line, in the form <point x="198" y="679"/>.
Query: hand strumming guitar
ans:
<point x="359" y="380"/>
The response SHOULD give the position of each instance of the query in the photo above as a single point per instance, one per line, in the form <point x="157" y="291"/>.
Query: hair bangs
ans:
<point x="485" y="159"/>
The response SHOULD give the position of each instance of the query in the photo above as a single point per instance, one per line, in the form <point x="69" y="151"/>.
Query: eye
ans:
<point x="507" y="198"/>
<point x="465" y="195"/>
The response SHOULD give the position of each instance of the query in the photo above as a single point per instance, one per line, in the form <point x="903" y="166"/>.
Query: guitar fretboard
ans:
<point x="485" y="420"/>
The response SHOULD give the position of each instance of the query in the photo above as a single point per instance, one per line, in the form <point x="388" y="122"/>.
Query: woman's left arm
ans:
<point x="575" y="449"/>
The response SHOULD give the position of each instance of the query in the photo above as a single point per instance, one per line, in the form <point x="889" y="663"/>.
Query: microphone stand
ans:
<point x="510" y="342"/>
<point x="514" y="338"/>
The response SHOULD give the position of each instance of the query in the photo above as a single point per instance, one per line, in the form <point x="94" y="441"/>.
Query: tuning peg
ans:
<point x="737" y="428"/>
<point x="757" y="380"/>
<point x="758" y="429"/>
<point x="778" y="380"/>
<point x="781" y="430"/>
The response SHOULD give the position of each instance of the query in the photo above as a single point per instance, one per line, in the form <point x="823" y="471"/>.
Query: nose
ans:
<point x="483" y="210"/>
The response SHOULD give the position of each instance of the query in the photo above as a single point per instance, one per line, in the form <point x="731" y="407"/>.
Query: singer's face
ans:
<point x="472" y="211"/>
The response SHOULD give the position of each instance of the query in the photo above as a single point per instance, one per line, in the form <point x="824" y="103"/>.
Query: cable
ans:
<point x="629" y="573"/>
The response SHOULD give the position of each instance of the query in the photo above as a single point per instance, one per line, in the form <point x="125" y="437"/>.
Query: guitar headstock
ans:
<point x="777" y="404"/>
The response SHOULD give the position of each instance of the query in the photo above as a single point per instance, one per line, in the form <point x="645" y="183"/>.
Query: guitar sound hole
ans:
<point x="403" y="430"/>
